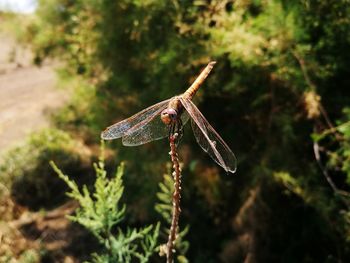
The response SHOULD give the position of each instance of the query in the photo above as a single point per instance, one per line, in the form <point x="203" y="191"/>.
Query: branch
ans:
<point x="176" y="199"/>
<point x="303" y="68"/>
<point x="338" y="191"/>
<point x="331" y="129"/>
<point x="312" y="85"/>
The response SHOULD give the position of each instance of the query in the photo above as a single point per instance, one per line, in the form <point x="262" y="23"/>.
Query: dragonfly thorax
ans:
<point x="173" y="112"/>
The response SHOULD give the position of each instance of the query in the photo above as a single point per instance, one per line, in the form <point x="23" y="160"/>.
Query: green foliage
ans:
<point x="29" y="256"/>
<point x="101" y="214"/>
<point x="335" y="150"/>
<point x="337" y="138"/>
<point x="290" y="183"/>
<point x="77" y="112"/>
<point x="164" y="208"/>
<point x="340" y="158"/>
<point x="25" y="170"/>
<point x="125" y="55"/>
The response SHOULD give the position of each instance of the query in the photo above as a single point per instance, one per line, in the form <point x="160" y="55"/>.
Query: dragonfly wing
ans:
<point x="209" y="139"/>
<point x="155" y="129"/>
<point x="185" y="117"/>
<point x="134" y="122"/>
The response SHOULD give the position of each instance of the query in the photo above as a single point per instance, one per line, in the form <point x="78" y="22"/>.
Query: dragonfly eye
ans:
<point x="168" y="116"/>
<point x="172" y="114"/>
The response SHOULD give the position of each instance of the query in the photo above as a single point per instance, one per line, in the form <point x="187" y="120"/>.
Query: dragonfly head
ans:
<point x="168" y="116"/>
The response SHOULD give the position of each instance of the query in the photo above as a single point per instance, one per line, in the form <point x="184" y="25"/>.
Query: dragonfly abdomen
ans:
<point x="191" y="91"/>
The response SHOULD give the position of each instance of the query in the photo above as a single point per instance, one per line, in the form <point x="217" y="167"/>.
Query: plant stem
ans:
<point x="176" y="198"/>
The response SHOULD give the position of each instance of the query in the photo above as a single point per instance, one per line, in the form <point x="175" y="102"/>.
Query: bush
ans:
<point x="101" y="213"/>
<point x="26" y="171"/>
<point x="272" y="55"/>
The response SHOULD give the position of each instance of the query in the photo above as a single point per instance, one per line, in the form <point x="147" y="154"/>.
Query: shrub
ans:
<point x="101" y="213"/>
<point x="26" y="172"/>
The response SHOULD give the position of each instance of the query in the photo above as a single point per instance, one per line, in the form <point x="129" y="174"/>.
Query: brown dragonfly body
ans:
<point x="168" y="117"/>
<point x="175" y="103"/>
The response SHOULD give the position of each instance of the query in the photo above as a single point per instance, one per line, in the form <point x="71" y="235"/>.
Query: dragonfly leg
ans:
<point x="176" y="128"/>
<point x="179" y="129"/>
<point x="171" y="130"/>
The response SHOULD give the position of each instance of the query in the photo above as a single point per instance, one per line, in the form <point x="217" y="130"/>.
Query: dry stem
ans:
<point x="176" y="198"/>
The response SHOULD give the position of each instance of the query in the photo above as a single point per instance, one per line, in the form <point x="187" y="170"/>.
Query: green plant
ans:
<point x="270" y="54"/>
<point x="164" y="208"/>
<point x="29" y="256"/>
<point x="332" y="152"/>
<point x="101" y="213"/>
<point x="26" y="173"/>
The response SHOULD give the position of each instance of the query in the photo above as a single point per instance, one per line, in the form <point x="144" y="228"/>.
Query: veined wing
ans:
<point x="155" y="129"/>
<point x="135" y="122"/>
<point x="208" y="138"/>
<point x="184" y="117"/>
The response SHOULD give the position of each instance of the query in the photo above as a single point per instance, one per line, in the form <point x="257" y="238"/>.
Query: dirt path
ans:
<point x="26" y="94"/>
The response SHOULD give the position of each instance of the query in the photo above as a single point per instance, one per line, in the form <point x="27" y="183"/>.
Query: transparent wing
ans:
<point x="208" y="138"/>
<point x="153" y="130"/>
<point x="135" y="122"/>
<point x="184" y="117"/>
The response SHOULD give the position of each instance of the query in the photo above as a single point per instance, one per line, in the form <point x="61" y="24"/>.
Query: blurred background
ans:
<point x="279" y="96"/>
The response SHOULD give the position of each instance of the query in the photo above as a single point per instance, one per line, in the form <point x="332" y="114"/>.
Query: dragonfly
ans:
<point x="167" y="118"/>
